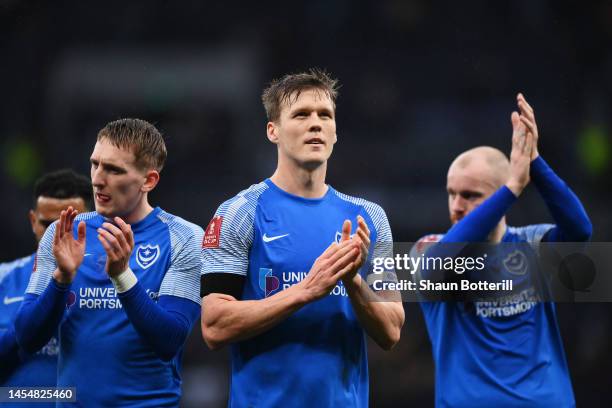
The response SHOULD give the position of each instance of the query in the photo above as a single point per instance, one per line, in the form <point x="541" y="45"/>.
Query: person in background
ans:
<point x="53" y="192"/>
<point x="497" y="353"/>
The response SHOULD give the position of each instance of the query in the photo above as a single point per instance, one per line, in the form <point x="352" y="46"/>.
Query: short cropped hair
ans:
<point x="141" y="138"/>
<point x="62" y="184"/>
<point x="288" y="88"/>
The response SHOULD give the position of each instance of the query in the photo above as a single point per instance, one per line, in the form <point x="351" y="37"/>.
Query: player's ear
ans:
<point x="335" y="138"/>
<point x="32" y="218"/>
<point x="272" y="132"/>
<point x="151" y="180"/>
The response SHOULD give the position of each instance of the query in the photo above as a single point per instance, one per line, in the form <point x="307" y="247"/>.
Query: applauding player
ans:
<point x="282" y="279"/>
<point x="122" y="283"/>
<point x="505" y="352"/>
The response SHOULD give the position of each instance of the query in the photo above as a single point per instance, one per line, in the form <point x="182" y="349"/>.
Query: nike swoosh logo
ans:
<point x="270" y="239"/>
<point x="9" y="300"/>
<point x="87" y="255"/>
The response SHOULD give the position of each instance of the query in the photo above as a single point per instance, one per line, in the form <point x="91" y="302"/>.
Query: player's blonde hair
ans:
<point x="141" y="138"/>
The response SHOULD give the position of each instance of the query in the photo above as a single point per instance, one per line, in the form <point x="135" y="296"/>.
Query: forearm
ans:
<point x="39" y="316"/>
<point x="9" y="353"/>
<point x="572" y="221"/>
<point x="165" y="325"/>
<point x="478" y="224"/>
<point x="227" y="320"/>
<point x="474" y="227"/>
<point x="380" y="314"/>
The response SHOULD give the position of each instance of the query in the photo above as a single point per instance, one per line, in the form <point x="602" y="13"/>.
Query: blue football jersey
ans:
<point x="504" y="352"/>
<point x="100" y="352"/>
<point x="317" y="356"/>
<point x="39" y="369"/>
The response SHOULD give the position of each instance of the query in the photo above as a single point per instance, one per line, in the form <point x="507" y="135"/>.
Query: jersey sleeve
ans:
<point x="382" y="246"/>
<point x="44" y="263"/>
<point x="420" y="248"/>
<point x="571" y="219"/>
<point x="229" y="236"/>
<point x="535" y="233"/>
<point x="7" y="268"/>
<point x="182" y="279"/>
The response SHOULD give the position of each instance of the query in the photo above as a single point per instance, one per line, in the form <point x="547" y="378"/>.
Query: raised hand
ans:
<point x="67" y="251"/>
<point x="528" y="118"/>
<point x="118" y="242"/>
<point x="361" y="238"/>
<point x="520" y="156"/>
<point x="337" y="261"/>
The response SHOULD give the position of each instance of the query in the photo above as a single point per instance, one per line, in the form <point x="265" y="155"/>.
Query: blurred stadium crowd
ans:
<point x="422" y="81"/>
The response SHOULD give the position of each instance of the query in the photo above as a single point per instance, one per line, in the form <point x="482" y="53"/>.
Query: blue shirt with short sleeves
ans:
<point x="317" y="356"/>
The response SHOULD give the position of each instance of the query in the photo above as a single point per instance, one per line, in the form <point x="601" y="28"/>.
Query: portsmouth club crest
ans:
<point x="516" y="263"/>
<point x="338" y="237"/>
<point x="147" y="255"/>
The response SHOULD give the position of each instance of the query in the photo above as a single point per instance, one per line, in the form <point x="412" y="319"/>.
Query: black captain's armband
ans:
<point x="226" y="283"/>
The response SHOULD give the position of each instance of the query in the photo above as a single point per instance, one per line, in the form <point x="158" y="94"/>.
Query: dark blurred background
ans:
<point x="422" y="82"/>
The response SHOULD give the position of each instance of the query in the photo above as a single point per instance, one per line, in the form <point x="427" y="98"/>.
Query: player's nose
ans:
<point x="315" y="125"/>
<point x="97" y="177"/>
<point x="458" y="204"/>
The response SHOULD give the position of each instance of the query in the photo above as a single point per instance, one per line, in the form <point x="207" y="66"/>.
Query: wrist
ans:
<point x="352" y="282"/>
<point x="538" y="168"/>
<point x="113" y="270"/>
<point x="516" y="187"/>
<point x="302" y="294"/>
<point x="63" y="278"/>
<point x="124" y="281"/>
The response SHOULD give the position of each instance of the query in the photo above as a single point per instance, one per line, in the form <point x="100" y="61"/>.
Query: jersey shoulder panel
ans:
<point x="7" y="267"/>
<point x="376" y="214"/>
<point x="235" y="232"/>
<point x="241" y="207"/>
<point x="181" y="230"/>
<point x="86" y="216"/>
<point x="530" y="233"/>
<point x="424" y="242"/>
<point x="45" y="264"/>
<point x="182" y="279"/>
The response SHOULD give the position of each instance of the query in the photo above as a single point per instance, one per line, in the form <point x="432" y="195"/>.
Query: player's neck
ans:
<point x="139" y="213"/>
<point x="497" y="234"/>
<point x="307" y="183"/>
